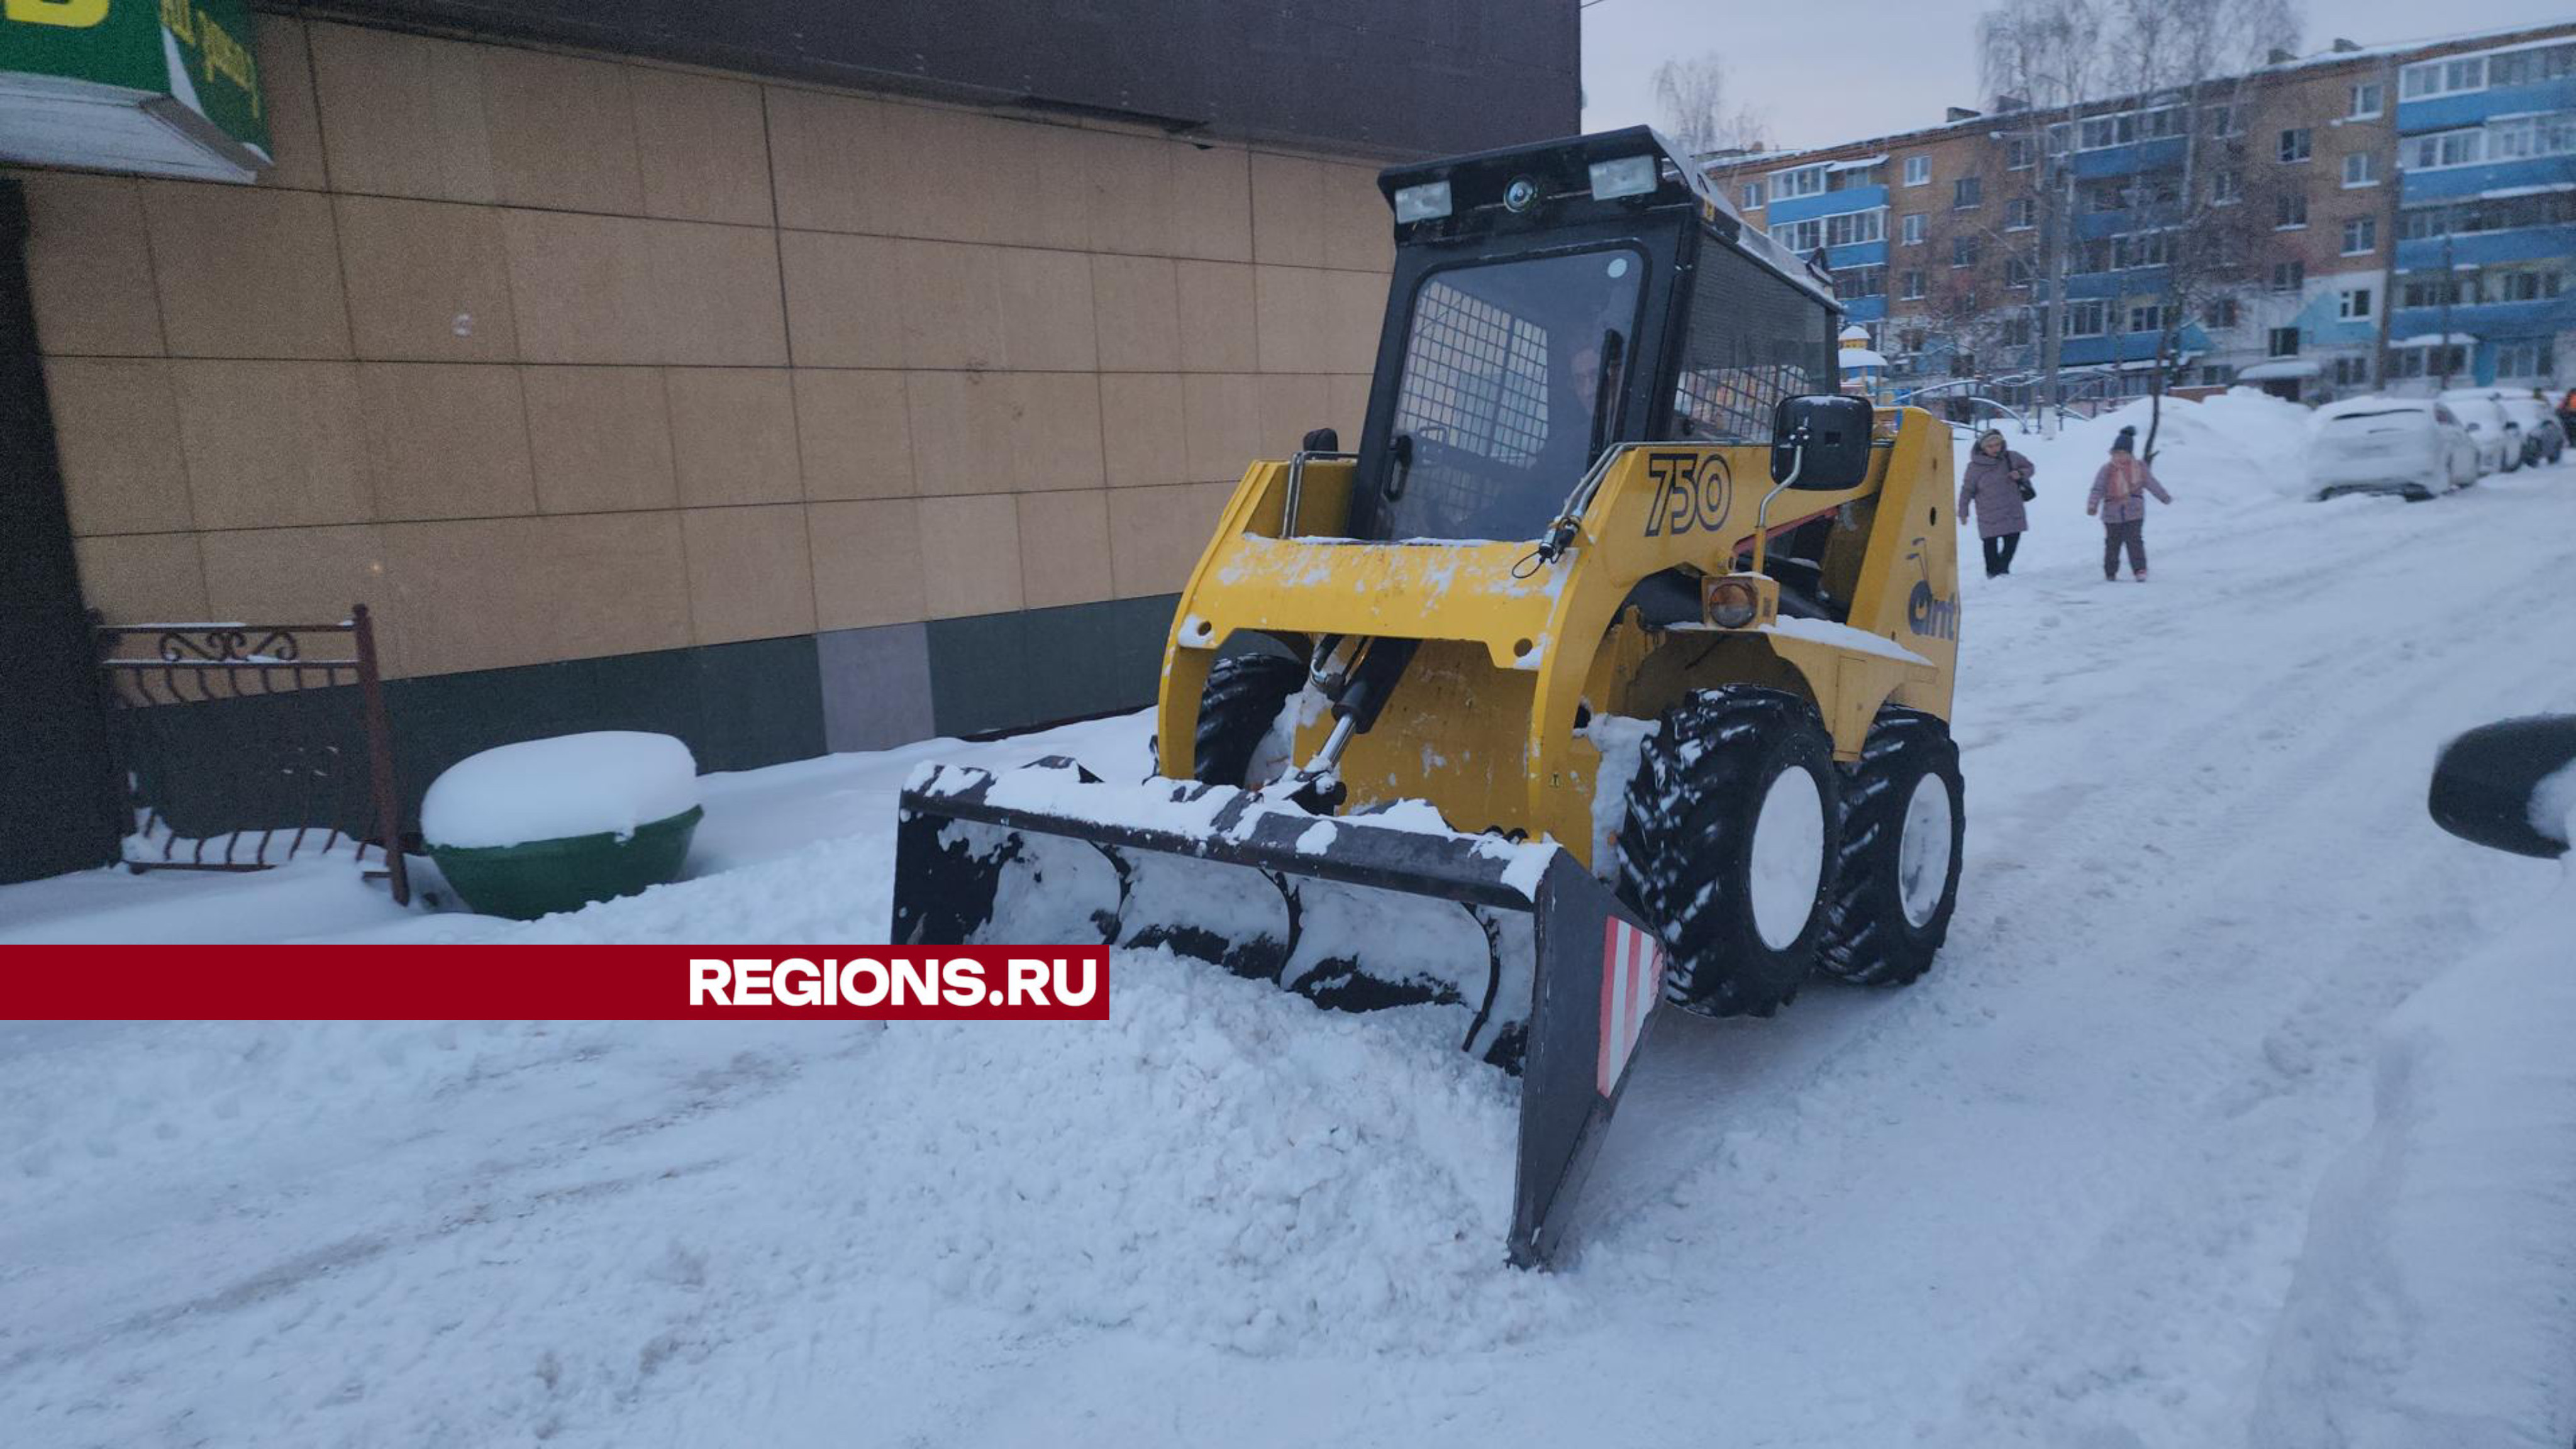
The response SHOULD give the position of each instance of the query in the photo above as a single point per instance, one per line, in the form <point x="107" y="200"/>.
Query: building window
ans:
<point x="2365" y="102"/>
<point x="1918" y="170"/>
<point x="2524" y="286"/>
<point x="2535" y="358"/>
<point x="2216" y="374"/>
<point x="1913" y="287"/>
<point x="1966" y="192"/>
<point x="2222" y="121"/>
<point x="1854" y="227"/>
<point x="2017" y="272"/>
<point x="1801" y="237"/>
<point x="2219" y="314"/>
<point x="1851" y="178"/>
<point x="2294" y="145"/>
<point x="2226" y="188"/>
<point x="2281" y="342"/>
<point x="2289" y="276"/>
<point x="1963" y="251"/>
<point x="2448" y="148"/>
<point x="2021" y="214"/>
<point x="2352" y="303"/>
<point x="2290" y="210"/>
<point x="2087" y="319"/>
<point x="1804" y="181"/>
<point x="2144" y="319"/>
<point x="2361" y="168"/>
<point x="2016" y="330"/>
<point x="1913" y="338"/>
<point x="2352" y="372"/>
<point x="1853" y="283"/>
<point x="2020" y="153"/>
<point x="2441" y="77"/>
<point x="2361" y="236"/>
<point x="2441" y="291"/>
<point x="1752" y="195"/>
<point x="1913" y="230"/>
<point x="2429" y="362"/>
<point x="2534" y="63"/>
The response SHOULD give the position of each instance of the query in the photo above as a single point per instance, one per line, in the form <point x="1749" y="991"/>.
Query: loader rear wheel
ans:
<point x="1244" y="695"/>
<point x="1731" y="824"/>
<point x="1896" y="880"/>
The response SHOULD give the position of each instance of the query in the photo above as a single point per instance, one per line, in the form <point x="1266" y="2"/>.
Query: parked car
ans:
<point x="2544" y="437"/>
<point x="2407" y="445"/>
<point x="2498" y="436"/>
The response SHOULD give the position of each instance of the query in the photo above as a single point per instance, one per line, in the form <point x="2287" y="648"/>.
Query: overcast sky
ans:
<point x="1824" y="71"/>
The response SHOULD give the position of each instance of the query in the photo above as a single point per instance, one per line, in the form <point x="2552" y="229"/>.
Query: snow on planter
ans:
<point x="605" y="782"/>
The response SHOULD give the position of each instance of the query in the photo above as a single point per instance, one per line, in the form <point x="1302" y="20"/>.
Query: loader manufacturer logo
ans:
<point x="1632" y="981"/>
<point x="1927" y="613"/>
<point x="1692" y="490"/>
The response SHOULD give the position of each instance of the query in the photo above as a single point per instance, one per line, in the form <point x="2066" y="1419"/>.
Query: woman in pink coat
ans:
<point x="2120" y="496"/>
<point x="1994" y="481"/>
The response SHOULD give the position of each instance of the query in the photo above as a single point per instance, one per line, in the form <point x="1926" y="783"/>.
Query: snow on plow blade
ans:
<point x="1557" y="978"/>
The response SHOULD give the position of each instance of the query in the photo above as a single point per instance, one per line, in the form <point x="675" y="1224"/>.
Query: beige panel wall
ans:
<point x="548" y="356"/>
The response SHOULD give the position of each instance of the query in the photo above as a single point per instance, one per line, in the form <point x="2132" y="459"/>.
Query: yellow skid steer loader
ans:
<point x="1614" y="667"/>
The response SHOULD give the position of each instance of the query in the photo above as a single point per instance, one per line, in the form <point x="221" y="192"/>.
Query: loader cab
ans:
<point x="1552" y="301"/>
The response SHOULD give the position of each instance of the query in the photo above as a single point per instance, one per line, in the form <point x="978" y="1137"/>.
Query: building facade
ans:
<point x="778" y="382"/>
<point x="2307" y="227"/>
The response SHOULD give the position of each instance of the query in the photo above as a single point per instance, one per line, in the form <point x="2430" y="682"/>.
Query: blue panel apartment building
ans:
<point x="2400" y="217"/>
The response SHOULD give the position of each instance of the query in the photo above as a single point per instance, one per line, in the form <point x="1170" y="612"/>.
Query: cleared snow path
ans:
<point x="2050" y="1196"/>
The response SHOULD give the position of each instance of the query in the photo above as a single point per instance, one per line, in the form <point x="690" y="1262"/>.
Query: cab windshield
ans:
<point x="1510" y="388"/>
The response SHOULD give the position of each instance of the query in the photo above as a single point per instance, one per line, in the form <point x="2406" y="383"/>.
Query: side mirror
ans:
<point x="1821" y="442"/>
<point x="2487" y="785"/>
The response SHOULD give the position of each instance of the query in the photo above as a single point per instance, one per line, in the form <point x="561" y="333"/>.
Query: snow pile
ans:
<point x="2433" y="1301"/>
<point x="2239" y="446"/>
<point x="607" y="781"/>
<point x="1220" y="1162"/>
<point x="2553" y="806"/>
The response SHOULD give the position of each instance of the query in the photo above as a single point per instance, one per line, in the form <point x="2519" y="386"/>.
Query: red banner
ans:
<point x="562" y="983"/>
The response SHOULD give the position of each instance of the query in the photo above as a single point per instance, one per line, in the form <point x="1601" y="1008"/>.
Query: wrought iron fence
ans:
<point x="245" y="745"/>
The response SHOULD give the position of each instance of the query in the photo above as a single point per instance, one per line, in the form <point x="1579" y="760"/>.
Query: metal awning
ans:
<point x="2281" y="369"/>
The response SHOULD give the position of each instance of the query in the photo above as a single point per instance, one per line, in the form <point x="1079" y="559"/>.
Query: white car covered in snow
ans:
<point x="2497" y="434"/>
<point x="2408" y="445"/>
<point x="2544" y="437"/>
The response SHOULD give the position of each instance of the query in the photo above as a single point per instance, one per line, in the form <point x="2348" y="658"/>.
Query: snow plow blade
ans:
<point x="1557" y="979"/>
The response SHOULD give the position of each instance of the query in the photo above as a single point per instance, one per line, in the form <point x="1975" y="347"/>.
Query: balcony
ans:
<point x="2452" y="183"/>
<point x="2131" y="159"/>
<point x="2486" y="248"/>
<point x="1866" y="309"/>
<point x="2139" y="282"/>
<point x="1825" y="203"/>
<point x="1857" y="254"/>
<point x="2545" y="317"/>
<point x="2443" y="113"/>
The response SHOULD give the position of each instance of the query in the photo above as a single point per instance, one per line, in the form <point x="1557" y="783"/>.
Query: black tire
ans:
<point x="1871" y="937"/>
<point x="1244" y="695"/>
<point x="1686" y="845"/>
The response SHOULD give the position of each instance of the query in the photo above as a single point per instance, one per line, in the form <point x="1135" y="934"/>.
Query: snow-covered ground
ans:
<point x="2162" y="1153"/>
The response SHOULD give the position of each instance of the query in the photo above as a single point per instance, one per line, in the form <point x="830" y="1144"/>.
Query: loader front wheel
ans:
<point x="1242" y="701"/>
<point x="1732" y="822"/>
<point x="1896" y="880"/>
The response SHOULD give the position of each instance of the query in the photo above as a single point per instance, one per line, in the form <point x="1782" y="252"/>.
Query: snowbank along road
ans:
<point x="2053" y="1195"/>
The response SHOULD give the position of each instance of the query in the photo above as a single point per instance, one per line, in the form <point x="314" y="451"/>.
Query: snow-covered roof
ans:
<point x="1856" y="163"/>
<point x="2435" y="339"/>
<point x="2279" y="370"/>
<point x="1856" y="358"/>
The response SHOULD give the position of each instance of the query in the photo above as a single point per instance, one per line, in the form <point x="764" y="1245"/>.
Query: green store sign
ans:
<point x="169" y="87"/>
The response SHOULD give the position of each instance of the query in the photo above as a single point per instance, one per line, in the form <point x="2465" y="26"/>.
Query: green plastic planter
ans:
<point x="540" y="877"/>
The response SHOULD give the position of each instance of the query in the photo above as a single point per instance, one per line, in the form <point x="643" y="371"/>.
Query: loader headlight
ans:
<point x="1627" y="176"/>
<point x="1732" y="603"/>
<point x="1426" y="202"/>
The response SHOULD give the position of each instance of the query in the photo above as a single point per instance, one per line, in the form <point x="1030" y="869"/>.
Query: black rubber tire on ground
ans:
<point x="1244" y="695"/>
<point x="1871" y="939"/>
<point x="1685" y="844"/>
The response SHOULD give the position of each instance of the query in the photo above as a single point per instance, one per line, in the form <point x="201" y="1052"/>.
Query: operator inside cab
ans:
<point x="1513" y="372"/>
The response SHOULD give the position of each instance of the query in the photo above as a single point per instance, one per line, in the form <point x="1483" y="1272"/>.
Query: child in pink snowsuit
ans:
<point x="2120" y="497"/>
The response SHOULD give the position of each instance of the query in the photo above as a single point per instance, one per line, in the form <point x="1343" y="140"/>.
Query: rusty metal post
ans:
<point x="380" y="757"/>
